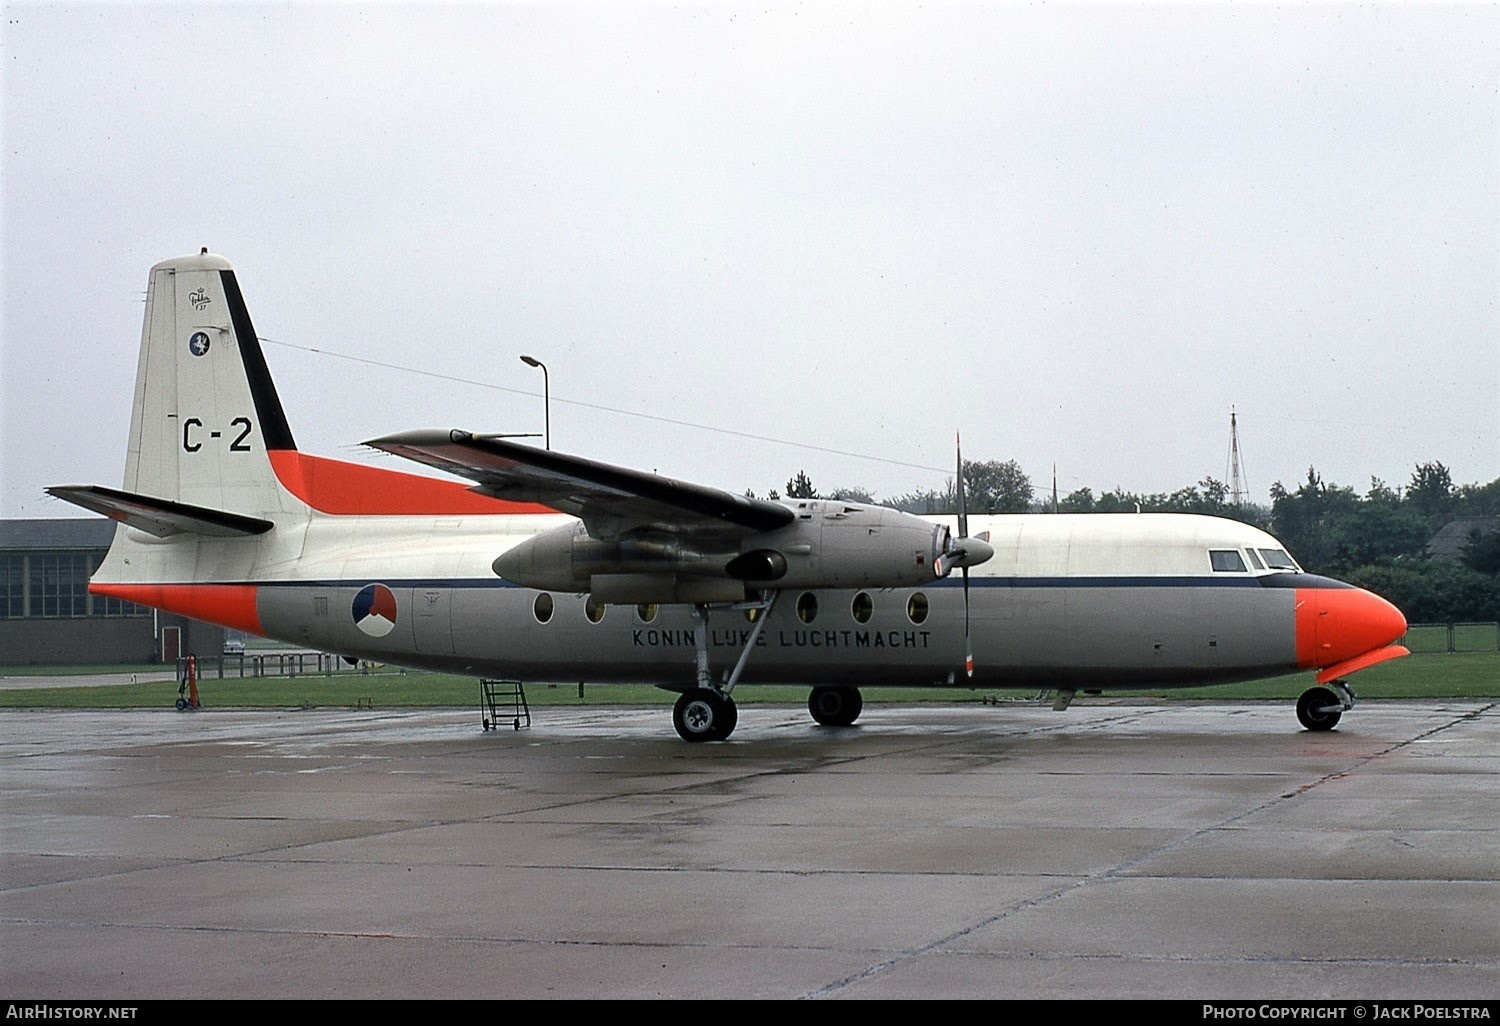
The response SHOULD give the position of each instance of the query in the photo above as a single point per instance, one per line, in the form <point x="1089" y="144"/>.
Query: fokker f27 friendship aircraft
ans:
<point x="550" y="567"/>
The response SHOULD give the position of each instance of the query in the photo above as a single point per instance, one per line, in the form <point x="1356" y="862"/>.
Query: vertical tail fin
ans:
<point x="210" y="452"/>
<point x="206" y="416"/>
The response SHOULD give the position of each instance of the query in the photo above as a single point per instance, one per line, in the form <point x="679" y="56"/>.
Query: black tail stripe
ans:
<point x="273" y="425"/>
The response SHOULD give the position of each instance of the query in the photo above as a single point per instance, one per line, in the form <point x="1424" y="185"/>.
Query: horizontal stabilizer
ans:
<point x="160" y="517"/>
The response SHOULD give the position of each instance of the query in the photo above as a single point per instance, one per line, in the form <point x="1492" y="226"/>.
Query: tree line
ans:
<point x="1376" y="540"/>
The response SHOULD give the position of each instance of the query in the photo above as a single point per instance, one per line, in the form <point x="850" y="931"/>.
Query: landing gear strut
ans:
<point x="835" y="707"/>
<point x="706" y="712"/>
<point x="1321" y="708"/>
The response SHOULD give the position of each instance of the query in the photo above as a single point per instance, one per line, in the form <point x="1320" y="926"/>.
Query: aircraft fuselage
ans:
<point x="548" y="566"/>
<point x="1094" y="601"/>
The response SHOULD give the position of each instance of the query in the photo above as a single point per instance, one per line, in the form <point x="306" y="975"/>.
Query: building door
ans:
<point x="171" y="645"/>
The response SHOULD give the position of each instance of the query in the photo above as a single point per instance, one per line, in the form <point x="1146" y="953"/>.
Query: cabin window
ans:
<point x="807" y="607"/>
<point x="542" y="608"/>
<point x="1254" y="559"/>
<point x="862" y="608"/>
<point x="1226" y="560"/>
<point x="1277" y="559"/>
<point x="916" y="608"/>
<point x="646" y="611"/>
<point x="593" y="609"/>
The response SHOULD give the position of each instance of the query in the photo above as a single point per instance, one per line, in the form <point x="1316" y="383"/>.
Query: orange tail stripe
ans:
<point x="229" y="605"/>
<point x="333" y="486"/>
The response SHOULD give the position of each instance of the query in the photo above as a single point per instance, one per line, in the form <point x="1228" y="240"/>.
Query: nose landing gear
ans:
<point x="1320" y="708"/>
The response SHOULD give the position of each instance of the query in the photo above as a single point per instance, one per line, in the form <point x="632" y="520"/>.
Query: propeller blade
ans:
<point x="964" y="550"/>
<point x="968" y="639"/>
<point x="963" y="508"/>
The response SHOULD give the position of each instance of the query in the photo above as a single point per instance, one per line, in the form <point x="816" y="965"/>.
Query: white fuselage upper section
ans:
<point x="350" y="548"/>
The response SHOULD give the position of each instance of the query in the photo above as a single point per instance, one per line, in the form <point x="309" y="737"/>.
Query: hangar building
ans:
<point x="48" y="616"/>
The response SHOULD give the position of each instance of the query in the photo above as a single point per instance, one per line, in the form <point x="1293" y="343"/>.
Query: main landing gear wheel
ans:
<point x="702" y="714"/>
<point x="1319" y="709"/>
<point x="835" y="707"/>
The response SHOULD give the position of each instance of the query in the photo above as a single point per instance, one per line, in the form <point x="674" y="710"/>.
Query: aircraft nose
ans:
<point x="1338" y="624"/>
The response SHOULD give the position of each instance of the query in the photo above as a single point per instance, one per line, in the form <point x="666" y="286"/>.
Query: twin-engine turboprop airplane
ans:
<point x="551" y="567"/>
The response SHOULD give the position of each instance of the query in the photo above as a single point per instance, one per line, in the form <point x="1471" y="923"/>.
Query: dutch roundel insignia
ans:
<point x="375" y="610"/>
<point x="198" y="344"/>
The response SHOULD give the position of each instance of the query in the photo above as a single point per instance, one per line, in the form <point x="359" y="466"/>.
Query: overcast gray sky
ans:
<point x="1079" y="234"/>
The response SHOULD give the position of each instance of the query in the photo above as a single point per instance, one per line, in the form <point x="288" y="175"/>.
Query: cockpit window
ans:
<point x="1226" y="560"/>
<point x="1277" y="559"/>
<point x="1254" y="559"/>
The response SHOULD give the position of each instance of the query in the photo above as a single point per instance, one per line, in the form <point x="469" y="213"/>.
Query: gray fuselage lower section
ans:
<point x="1026" y="632"/>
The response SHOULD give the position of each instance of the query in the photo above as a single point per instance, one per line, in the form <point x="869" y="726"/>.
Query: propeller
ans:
<point x="964" y="552"/>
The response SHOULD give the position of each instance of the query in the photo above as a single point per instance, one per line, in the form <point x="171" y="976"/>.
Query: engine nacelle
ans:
<point x="831" y="544"/>
<point x="757" y="565"/>
<point x="566" y="558"/>
<point x="836" y="544"/>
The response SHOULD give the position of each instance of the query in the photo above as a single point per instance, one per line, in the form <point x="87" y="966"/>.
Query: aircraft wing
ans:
<point x="609" y="499"/>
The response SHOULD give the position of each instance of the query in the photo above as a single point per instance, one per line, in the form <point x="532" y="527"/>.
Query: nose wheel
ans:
<point x="1321" y="708"/>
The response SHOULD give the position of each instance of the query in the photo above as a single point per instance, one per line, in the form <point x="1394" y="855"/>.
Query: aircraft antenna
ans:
<point x="1238" y="493"/>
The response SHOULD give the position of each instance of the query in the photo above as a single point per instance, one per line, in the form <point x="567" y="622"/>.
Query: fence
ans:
<point x="1425" y="638"/>
<point x="285" y="664"/>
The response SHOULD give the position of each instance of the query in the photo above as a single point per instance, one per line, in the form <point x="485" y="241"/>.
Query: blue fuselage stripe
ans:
<point x="1226" y="581"/>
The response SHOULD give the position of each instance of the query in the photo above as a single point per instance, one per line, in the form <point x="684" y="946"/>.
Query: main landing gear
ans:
<point x="706" y="712"/>
<point x="835" y="707"/>
<point x="1320" y="708"/>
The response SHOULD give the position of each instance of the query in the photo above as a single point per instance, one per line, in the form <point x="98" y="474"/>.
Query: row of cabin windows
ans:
<point x="1231" y="561"/>
<point x="861" y="608"/>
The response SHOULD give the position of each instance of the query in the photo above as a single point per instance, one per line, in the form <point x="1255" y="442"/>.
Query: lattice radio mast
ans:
<point x="1238" y="492"/>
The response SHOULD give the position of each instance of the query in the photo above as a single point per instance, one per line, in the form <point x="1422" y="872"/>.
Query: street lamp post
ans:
<point x="532" y="361"/>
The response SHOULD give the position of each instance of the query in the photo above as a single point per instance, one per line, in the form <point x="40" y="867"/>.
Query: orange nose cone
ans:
<point x="1338" y="624"/>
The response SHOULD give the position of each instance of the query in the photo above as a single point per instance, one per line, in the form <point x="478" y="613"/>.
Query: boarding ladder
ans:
<point x="507" y="697"/>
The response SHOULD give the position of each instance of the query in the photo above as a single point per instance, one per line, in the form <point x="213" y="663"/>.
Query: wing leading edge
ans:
<point x="610" y="500"/>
